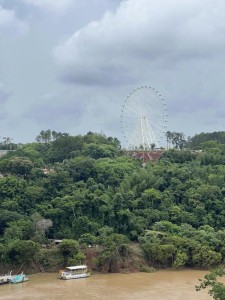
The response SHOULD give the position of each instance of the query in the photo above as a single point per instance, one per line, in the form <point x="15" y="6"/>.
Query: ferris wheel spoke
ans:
<point x="155" y="126"/>
<point x="134" y="108"/>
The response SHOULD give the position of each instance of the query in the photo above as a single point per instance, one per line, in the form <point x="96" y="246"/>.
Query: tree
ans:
<point x="196" y="140"/>
<point x="87" y="239"/>
<point x="40" y="227"/>
<point x="150" y="198"/>
<point x="19" y="230"/>
<point x="158" y="254"/>
<point x="81" y="168"/>
<point x="19" y="166"/>
<point x="16" y="165"/>
<point x="100" y="151"/>
<point x="68" y="248"/>
<point x="64" y="147"/>
<point x="209" y="145"/>
<point x="169" y="136"/>
<point x="2" y="252"/>
<point x="115" y="248"/>
<point x="176" y="138"/>
<point x="217" y="289"/>
<point x="44" y="136"/>
<point x="7" y="142"/>
<point x="204" y="256"/>
<point x="20" y="251"/>
<point x="34" y="194"/>
<point x="180" y="260"/>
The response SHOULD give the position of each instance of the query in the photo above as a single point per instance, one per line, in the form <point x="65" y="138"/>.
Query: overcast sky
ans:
<point x="68" y="65"/>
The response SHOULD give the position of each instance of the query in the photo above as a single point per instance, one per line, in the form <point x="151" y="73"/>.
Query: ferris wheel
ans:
<point x="143" y="118"/>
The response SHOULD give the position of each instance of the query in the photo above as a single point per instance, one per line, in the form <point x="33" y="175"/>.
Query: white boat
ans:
<point x="74" y="272"/>
<point x="5" y="278"/>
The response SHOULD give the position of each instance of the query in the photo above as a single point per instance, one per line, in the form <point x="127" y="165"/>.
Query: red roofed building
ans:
<point x="146" y="155"/>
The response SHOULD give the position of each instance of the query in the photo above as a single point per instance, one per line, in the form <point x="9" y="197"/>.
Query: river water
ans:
<point x="168" y="285"/>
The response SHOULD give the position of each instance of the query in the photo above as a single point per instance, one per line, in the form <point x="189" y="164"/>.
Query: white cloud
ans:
<point x="139" y="34"/>
<point x="51" y="5"/>
<point x="10" y="24"/>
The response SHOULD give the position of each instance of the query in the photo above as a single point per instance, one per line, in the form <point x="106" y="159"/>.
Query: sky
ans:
<point x="68" y="65"/>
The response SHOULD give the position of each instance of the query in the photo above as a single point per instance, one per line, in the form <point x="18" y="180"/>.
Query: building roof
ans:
<point x="146" y="155"/>
<point x="76" y="267"/>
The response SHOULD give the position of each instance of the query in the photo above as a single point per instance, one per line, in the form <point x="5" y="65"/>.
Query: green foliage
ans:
<point x="77" y="259"/>
<point x="49" y="258"/>
<point x="146" y="269"/>
<point x="85" y="188"/>
<point x="180" y="260"/>
<point x="64" y="147"/>
<point x="205" y="257"/>
<point x="7" y="216"/>
<point x="216" y="288"/>
<point x="87" y="239"/>
<point x="177" y="156"/>
<point x="18" y="250"/>
<point x="177" y="246"/>
<point x="201" y="138"/>
<point x="20" y="166"/>
<point x="19" y="230"/>
<point x="2" y="252"/>
<point x="100" y="151"/>
<point x="34" y="228"/>
<point x="159" y="254"/>
<point x="80" y="168"/>
<point x="11" y="187"/>
<point x="68" y="249"/>
<point x="115" y="249"/>
<point x="177" y="139"/>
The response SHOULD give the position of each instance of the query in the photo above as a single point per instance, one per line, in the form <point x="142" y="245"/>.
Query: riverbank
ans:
<point x="50" y="260"/>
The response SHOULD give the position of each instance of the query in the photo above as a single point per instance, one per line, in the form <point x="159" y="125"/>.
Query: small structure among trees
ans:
<point x="146" y="155"/>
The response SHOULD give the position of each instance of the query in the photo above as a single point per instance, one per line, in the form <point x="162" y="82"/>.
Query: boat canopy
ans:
<point x="76" y="267"/>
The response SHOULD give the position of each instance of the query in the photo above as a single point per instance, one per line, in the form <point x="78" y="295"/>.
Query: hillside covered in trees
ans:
<point x="85" y="191"/>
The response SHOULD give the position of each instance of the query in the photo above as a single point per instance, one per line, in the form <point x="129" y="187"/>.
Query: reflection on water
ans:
<point x="168" y="285"/>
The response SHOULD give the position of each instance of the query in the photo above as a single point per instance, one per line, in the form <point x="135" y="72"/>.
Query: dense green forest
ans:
<point x="86" y="191"/>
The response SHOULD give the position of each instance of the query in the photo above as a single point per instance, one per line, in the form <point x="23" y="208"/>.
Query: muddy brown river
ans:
<point x="168" y="285"/>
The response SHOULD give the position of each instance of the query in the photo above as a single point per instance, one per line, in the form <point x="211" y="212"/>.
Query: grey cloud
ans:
<point x="174" y="46"/>
<point x="4" y="94"/>
<point x="50" y="114"/>
<point x="10" y="24"/>
<point x="3" y="97"/>
<point x="4" y="113"/>
<point x="107" y="75"/>
<point x="58" y="6"/>
<point x="142" y="33"/>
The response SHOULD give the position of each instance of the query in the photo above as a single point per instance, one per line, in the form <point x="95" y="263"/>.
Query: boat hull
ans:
<point x="74" y="272"/>
<point x="74" y="276"/>
<point x="5" y="279"/>
<point x="19" y="278"/>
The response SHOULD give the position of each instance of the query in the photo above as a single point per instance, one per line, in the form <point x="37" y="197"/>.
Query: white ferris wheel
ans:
<point x="143" y="118"/>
